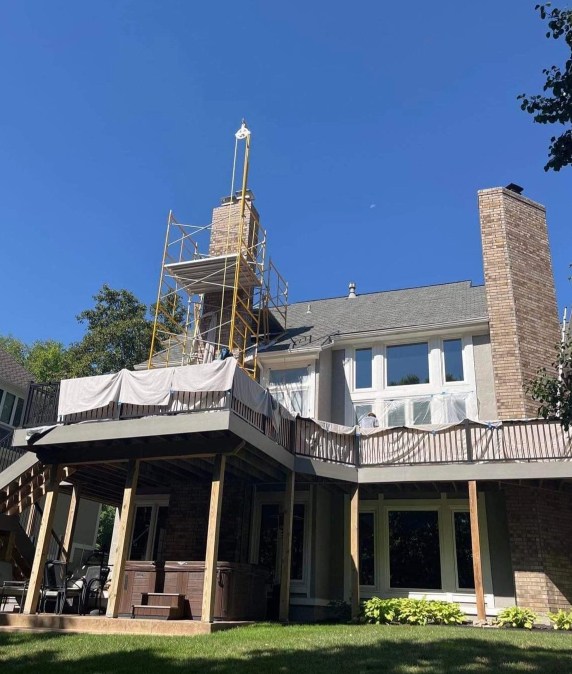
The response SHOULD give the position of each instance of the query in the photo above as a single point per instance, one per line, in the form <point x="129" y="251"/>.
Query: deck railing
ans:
<point x="467" y="442"/>
<point x="9" y="454"/>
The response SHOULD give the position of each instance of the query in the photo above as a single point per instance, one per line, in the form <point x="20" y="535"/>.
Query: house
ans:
<point x="285" y="497"/>
<point x="21" y="529"/>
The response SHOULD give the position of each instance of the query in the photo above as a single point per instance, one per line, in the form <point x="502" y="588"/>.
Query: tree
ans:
<point x="105" y="529"/>
<point x="46" y="360"/>
<point x="556" y="107"/>
<point x="552" y="389"/>
<point x="118" y="334"/>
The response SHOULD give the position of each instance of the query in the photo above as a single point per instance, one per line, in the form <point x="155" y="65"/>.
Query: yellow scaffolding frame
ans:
<point x="208" y="303"/>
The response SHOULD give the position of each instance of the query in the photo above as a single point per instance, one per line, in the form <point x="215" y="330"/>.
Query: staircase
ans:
<point x="160" y="606"/>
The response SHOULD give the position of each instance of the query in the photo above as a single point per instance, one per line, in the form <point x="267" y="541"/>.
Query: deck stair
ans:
<point x="160" y="606"/>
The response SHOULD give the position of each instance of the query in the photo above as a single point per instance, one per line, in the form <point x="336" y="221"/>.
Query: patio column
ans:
<point x="476" y="546"/>
<point x="67" y="540"/>
<point x="354" y="550"/>
<point x="211" y="553"/>
<point x="123" y="539"/>
<point x="44" y="535"/>
<point x="286" y="561"/>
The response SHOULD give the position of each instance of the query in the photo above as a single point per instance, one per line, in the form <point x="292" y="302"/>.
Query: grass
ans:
<point x="297" y="649"/>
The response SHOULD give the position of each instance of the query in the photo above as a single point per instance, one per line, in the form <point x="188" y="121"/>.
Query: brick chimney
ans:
<point x="521" y="300"/>
<point x="225" y="232"/>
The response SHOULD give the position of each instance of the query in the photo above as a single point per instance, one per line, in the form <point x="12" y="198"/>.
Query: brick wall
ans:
<point x="540" y="533"/>
<point x="520" y="295"/>
<point x="188" y="521"/>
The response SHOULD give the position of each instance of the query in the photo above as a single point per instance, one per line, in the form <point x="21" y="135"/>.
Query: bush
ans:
<point x="412" y="612"/>
<point x="517" y="617"/>
<point x="562" y="620"/>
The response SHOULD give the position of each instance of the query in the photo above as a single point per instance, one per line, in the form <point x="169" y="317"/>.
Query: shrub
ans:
<point x="517" y="617"/>
<point x="562" y="620"/>
<point x="412" y="612"/>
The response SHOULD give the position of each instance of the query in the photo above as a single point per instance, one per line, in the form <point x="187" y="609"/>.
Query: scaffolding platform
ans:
<point x="208" y="274"/>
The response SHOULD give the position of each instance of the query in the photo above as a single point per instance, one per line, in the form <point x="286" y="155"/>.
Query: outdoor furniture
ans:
<point x="92" y="589"/>
<point x="56" y="587"/>
<point x="10" y="588"/>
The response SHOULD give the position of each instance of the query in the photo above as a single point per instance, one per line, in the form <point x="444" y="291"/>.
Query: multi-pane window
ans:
<point x="291" y="389"/>
<point x="407" y="364"/>
<point x="453" y="357"/>
<point x="149" y="532"/>
<point x="421" y="412"/>
<point x="414" y="549"/>
<point x="364" y="377"/>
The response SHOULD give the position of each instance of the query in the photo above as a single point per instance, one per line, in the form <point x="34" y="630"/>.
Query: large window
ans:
<point x="291" y="389"/>
<point x="414" y="550"/>
<point x="407" y="364"/>
<point x="363" y="368"/>
<point x="149" y="531"/>
<point x="453" y="358"/>
<point x="269" y="542"/>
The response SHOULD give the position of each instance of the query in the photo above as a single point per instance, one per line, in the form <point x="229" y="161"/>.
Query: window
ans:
<point x="270" y="540"/>
<point x="367" y="548"/>
<point x="396" y="413"/>
<point x="18" y="414"/>
<point x="463" y="550"/>
<point x="414" y="550"/>
<point x="291" y="389"/>
<point x="362" y="410"/>
<point x="363" y="363"/>
<point x="408" y="412"/>
<point x="421" y="412"/>
<point x="453" y="357"/>
<point x="407" y="364"/>
<point x="7" y="407"/>
<point x="149" y="530"/>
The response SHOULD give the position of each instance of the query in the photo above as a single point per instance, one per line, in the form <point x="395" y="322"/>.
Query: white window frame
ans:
<point x="277" y="498"/>
<point x="5" y="392"/>
<point x="449" y="577"/>
<point x="155" y="502"/>
<point x="294" y="365"/>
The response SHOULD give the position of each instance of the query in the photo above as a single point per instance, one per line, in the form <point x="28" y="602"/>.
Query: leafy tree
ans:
<point x="118" y="334"/>
<point x="552" y="389"/>
<point x="105" y="529"/>
<point x="556" y="106"/>
<point x="46" y="360"/>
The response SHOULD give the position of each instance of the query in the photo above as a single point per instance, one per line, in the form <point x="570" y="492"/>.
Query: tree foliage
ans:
<point x="552" y="389"/>
<point x="105" y="528"/>
<point x="556" y="106"/>
<point x="46" y="360"/>
<point x="118" y="334"/>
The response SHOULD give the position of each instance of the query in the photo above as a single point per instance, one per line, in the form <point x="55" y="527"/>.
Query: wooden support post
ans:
<point x="354" y="551"/>
<point x="476" y="546"/>
<point x="123" y="539"/>
<point x="211" y="553"/>
<point x="44" y="537"/>
<point x="286" y="561"/>
<point x="70" y="525"/>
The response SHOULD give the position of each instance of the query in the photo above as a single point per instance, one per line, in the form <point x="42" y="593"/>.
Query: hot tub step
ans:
<point x="156" y="612"/>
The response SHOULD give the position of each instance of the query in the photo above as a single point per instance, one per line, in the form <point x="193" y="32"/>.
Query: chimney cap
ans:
<point x="513" y="187"/>
<point x="352" y="289"/>
<point x="234" y="198"/>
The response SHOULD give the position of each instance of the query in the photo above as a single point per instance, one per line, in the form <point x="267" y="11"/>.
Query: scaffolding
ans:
<point x="224" y="302"/>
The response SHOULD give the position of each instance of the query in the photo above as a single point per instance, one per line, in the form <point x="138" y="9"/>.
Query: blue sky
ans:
<point x="374" y="124"/>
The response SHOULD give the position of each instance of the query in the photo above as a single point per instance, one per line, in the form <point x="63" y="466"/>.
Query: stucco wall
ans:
<point x="484" y="378"/>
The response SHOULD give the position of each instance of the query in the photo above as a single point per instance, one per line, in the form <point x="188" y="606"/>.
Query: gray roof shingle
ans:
<point x="426" y="306"/>
<point x="13" y="373"/>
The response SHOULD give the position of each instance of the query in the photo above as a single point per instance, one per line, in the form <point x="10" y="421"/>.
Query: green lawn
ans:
<point x="311" y="649"/>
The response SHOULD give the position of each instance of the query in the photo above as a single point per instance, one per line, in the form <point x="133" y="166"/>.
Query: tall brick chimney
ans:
<point x="225" y="232"/>
<point x="521" y="300"/>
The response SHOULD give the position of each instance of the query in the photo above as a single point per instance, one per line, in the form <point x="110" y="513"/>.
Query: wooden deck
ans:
<point x="102" y="625"/>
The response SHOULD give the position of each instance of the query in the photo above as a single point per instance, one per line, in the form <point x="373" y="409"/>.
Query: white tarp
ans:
<point x="88" y="393"/>
<point x="147" y="387"/>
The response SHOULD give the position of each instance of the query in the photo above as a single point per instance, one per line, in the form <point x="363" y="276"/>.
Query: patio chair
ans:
<point x="93" y="584"/>
<point x="56" y="587"/>
<point x="10" y="588"/>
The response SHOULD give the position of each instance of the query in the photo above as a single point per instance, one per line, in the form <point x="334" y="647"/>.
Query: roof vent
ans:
<point x="513" y="187"/>
<point x="352" y="287"/>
